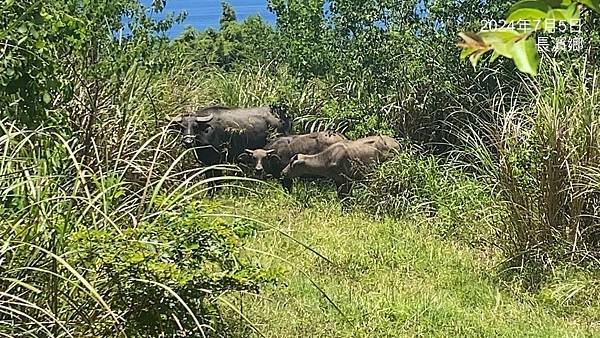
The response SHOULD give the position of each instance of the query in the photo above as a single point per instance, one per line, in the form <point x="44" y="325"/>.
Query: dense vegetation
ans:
<point x="490" y="212"/>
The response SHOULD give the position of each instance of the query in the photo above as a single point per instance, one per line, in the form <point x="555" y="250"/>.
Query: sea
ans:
<point x="203" y="14"/>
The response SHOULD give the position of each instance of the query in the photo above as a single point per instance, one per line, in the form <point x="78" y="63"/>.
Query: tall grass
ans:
<point x="542" y="159"/>
<point x="47" y="194"/>
<point x="57" y="190"/>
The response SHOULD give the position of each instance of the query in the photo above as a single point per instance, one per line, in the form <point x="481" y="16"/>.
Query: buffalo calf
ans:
<point x="343" y="162"/>
<point x="271" y="160"/>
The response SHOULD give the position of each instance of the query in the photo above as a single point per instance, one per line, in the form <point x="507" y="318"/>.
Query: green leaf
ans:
<point x="561" y="18"/>
<point x="502" y="41"/>
<point x="46" y="97"/>
<point x="22" y="29"/>
<point x="593" y="4"/>
<point x="525" y="56"/>
<point x="501" y="36"/>
<point x="530" y="4"/>
<point x="564" y="14"/>
<point x="527" y="14"/>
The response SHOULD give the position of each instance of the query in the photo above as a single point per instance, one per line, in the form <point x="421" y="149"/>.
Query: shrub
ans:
<point x="401" y="185"/>
<point x="120" y="247"/>
<point x="168" y="275"/>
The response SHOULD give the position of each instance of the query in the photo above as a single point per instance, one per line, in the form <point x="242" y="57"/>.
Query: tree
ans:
<point x="228" y="15"/>
<point x="53" y="49"/>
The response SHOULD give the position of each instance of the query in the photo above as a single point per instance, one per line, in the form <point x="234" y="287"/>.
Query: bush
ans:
<point x="121" y="247"/>
<point x="169" y="274"/>
<point x="401" y="185"/>
<point x="386" y="63"/>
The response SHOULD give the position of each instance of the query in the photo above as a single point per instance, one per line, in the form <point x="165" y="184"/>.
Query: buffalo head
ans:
<point x="261" y="158"/>
<point x="296" y="167"/>
<point x="193" y="129"/>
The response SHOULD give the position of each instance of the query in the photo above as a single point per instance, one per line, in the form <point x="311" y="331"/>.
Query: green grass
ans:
<point x="388" y="277"/>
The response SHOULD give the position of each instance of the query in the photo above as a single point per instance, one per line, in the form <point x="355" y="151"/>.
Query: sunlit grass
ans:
<point x="388" y="278"/>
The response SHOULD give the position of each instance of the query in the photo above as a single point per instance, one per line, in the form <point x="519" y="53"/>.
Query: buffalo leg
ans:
<point x="344" y="189"/>
<point x="213" y="185"/>
<point x="287" y="184"/>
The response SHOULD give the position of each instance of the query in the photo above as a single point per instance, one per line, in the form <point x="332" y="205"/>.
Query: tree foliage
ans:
<point x="389" y="61"/>
<point x="236" y="44"/>
<point x="52" y="50"/>
<point x="228" y="15"/>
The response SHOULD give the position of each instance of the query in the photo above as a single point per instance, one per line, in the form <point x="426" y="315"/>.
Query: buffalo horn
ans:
<point x="206" y="118"/>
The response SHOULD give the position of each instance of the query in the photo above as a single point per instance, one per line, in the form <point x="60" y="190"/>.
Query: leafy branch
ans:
<point x="516" y="40"/>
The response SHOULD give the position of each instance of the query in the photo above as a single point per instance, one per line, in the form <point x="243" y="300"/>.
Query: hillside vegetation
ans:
<point x="486" y="223"/>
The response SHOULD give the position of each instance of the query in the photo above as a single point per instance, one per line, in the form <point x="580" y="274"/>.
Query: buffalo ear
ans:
<point x="244" y="157"/>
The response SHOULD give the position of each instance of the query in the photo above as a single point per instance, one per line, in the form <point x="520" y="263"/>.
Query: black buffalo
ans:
<point x="220" y="134"/>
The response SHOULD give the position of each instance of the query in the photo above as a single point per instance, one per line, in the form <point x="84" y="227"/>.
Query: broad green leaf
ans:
<point x="502" y="41"/>
<point x="530" y="4"/>
<point x="500" y="36"/>
<point x="525" y="56"/>
<point x="504" y="48"/>
<point x="593" y="4"/>
<point x="526" y="14"/>
<point x="558" y="17"/>
<point x="565" y="14"/>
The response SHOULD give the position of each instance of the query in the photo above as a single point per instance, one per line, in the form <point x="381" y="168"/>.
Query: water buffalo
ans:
<point x="220" y="134"/>
<point x="276" y="155"/>
<point x="343" y="162"/>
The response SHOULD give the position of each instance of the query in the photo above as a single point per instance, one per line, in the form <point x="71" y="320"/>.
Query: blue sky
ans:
<point x="206" y="13"/>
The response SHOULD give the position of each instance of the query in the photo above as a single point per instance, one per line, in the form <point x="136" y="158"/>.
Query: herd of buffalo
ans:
<point x="245" y="135"/>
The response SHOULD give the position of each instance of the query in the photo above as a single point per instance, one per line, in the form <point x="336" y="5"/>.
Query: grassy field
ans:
<point x="385" y="278"/>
